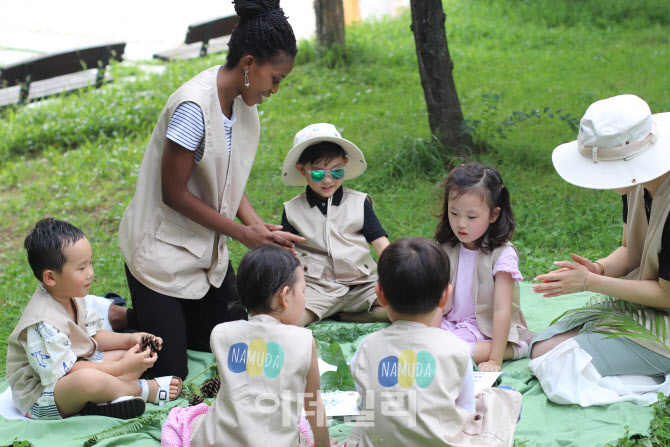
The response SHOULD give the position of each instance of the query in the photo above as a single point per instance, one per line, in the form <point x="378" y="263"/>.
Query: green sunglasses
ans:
<point x="318" y="176"/>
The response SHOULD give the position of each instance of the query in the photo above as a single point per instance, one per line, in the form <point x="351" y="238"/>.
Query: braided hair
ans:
<point x="263" y="32"/>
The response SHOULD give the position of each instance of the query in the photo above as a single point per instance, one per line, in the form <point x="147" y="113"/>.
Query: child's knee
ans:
<point x="378" y="311"/>
<point x="88" y="380"/>
<point x="308" y="317"/>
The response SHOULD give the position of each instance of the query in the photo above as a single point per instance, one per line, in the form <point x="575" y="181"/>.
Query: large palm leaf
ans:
<point x="617" y="318"/>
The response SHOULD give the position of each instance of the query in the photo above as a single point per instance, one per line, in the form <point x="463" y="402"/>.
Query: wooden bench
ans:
<point x="202" y="39"/>
<point x="54" y="73"/>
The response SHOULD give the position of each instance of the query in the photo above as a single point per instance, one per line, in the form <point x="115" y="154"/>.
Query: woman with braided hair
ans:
<point x="190" y="189"/>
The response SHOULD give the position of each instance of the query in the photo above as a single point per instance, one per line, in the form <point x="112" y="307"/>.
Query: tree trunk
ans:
<point x="435" y="67"/>
<point x="329" y="22"/>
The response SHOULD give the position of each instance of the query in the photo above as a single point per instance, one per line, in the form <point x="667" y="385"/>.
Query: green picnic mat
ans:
<point x="543" y="423"/>
<point x="63" y="433"/>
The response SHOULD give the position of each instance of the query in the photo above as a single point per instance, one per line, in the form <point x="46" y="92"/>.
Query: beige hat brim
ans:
<point x="355" y="166"/>
<point x="650" y="164"/>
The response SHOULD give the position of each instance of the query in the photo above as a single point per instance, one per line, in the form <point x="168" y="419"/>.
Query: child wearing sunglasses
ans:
<point x="337" y="223"/>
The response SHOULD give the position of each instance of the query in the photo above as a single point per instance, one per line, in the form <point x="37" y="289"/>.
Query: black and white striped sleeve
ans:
<point x="187" y="126"/>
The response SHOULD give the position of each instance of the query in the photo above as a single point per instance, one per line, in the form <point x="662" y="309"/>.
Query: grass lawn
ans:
<point x="526" y="70"/>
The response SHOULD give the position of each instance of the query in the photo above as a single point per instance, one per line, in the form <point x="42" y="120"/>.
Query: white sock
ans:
<point x="520" y="351"/>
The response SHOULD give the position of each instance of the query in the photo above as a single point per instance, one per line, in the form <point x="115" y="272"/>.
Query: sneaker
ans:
<point x="115" y="298"/>
<point x="125" y="407"/>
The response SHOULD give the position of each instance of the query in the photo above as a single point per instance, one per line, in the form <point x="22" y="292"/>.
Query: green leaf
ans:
<point x="194" y="388"/>
<point x="330" y="380"/>
<point x="614" y="318"/>
<point x="333" y="355"/>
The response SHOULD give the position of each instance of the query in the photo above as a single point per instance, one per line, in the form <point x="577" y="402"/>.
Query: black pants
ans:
<point x="182" y="323"/>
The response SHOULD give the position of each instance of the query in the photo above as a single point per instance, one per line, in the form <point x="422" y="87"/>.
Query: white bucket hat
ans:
<point x="620" y="144"/>
<point x="315" y="133"/>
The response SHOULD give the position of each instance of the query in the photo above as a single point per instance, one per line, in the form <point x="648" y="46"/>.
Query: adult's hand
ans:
<point x="590" y="265"/>
<point x="569" y="278"/>
<point x="261" y="234"/>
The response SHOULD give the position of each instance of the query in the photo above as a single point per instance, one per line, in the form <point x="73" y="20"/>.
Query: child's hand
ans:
<point x="136" y="339"/>
<point x="136" y="360"/>
<point x="489" y="366"/>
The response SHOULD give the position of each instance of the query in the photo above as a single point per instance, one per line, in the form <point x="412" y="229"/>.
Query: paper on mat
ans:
<point x="7" y="408"/>
<point x="484" y="379"/>
<point x="340" y="403"/>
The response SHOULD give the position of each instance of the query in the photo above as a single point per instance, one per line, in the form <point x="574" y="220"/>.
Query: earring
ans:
<point x="246" y="78"/>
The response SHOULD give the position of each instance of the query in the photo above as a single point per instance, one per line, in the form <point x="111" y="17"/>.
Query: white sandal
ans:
<point x="163" y="394"/>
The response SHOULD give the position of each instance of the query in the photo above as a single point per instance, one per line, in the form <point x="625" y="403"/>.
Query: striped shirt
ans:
<point x="187" y="128"/>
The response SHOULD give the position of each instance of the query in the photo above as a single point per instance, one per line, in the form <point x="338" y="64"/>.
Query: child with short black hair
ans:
<point x="337" y="223"/>
<point x="416" y="380"/>
<point x="60" y="361"/>
<point x="268" y="367"/>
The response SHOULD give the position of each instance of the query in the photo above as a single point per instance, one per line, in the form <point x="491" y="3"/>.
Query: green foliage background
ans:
<point x="525" y="70"/>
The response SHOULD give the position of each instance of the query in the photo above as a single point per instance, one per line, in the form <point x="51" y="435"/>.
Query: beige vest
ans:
<point x="335" y="250"/>
<point x="411" y="375"/>
<point x="643" y="245"/>
<point x="163" y="249"/>
<point x="25" y="382"/>
<point x="263" y="366"/>
<point x="483" y="285"/>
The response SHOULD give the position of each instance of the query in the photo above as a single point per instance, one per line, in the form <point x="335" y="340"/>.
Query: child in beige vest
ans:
<point x="416" y="380"/>
<point x="60" y="361"/>
<point x="476" y="225"/>
<point x="268" y="367"/>
<point x="337" y="223"/>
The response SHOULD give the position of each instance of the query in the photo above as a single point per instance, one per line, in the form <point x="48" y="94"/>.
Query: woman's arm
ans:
<point x="572" y="277"/>
<point x="503" y="296"/>
<point x="249" y="217"/>
<point x="615" y="265"/>
<point x="571" y="280"/>
<point x="316" y="414"/>
<point x="177" y="166"/>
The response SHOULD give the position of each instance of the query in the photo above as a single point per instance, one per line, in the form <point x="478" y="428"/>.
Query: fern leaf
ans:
<point x="613" y="319"/>
<point x="132" y="426"/>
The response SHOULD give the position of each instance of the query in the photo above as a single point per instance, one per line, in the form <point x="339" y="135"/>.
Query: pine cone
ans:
<point x="149" y="341"/>
<point x="211" y="387"/>
<point x="195" y="400"/>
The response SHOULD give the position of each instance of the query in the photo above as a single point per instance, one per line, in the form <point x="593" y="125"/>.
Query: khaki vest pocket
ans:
<point x="173" y="234"/>
<point x="312" y="268"/>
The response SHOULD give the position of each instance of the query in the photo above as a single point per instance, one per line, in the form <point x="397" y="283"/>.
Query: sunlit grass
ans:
<point x="76" y="158"/>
